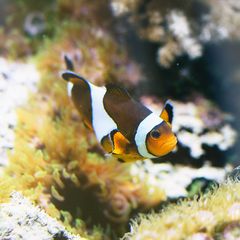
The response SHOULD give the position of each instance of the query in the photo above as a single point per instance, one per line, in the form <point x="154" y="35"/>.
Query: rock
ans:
<point x="20" y="219"/>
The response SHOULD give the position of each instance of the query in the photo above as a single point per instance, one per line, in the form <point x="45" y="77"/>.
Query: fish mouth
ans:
<point x="168" y="146"/>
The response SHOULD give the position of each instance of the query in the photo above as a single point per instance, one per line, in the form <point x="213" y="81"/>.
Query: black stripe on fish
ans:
<point x="124" y="110"/>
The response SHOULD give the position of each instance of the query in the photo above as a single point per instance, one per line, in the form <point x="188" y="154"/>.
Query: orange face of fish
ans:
<point x="161" y="140"/>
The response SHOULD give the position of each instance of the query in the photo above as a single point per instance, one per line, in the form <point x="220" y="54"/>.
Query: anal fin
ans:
<point x="123" y="150"/>
<point x="120" y="143"/>
<point x="119" y="146"/>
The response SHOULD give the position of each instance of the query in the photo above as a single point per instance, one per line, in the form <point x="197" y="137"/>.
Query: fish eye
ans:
<point x="155" y="134"/>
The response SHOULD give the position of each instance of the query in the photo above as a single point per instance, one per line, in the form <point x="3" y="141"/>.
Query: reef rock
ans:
<point x="15" y="77"/>
<point x="19" y="219"/>
<point x="181" y="27"/>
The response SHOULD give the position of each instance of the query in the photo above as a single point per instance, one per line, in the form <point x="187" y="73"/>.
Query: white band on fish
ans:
<point x="102" y="123"/>
<point x="143" y="129"/>
<point x="69" y="88"/>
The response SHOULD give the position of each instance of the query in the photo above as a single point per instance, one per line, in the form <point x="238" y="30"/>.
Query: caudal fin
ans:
<point x="72" y="77"/>
<point x="69" y="75"/>
<point x="69" y="63"/>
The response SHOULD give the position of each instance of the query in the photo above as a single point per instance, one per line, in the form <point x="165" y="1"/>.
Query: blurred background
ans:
<point x="186" y="51"/>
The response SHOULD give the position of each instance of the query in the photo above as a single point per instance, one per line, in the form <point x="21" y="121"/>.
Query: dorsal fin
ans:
<point x="124" y="110"/>
<point x="118" y="92"/>
<point x="167" y="112"/>
<point x="72" y="77"/>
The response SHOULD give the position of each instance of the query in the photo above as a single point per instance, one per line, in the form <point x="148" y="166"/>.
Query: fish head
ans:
<point x="161" y="140"/>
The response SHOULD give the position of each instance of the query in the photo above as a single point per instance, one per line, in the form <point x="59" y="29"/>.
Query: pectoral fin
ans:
<point x="115" y="143"/>
<point x="123" y="150"/>
<point x="119" y="143"/>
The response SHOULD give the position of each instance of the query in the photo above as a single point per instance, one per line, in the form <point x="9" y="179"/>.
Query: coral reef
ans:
<point x="175" y="180"/>
<point x="57" y="164"/>
<point x="19" y="219"/>
<point x="213" y="216"/>
<point x="24" y="26"/>
<point x="181" y="27"/>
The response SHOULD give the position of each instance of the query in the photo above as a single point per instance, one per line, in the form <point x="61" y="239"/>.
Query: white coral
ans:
<point x="118" y="8"/>
<point x="19" y="219"/>
<point x="179" y="27"/>
<point x="121" y="7"/>
<point x="189" y="32"/>
<point x="173" y="179"/>
<point x="16" y="81"/>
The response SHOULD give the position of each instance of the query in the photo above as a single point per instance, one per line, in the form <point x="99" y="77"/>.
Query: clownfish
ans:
<point x="124" y="127"/>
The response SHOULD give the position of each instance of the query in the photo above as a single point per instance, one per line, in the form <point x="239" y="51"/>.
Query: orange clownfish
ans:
<point x="124" y="127"/>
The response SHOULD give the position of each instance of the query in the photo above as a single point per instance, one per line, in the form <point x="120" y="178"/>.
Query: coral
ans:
<point x="14" y="43"/>
<point x="80" y="15"/>
<point x="200" y="127"/>
<point x="15" y="77"/>
<point x="181" y="27"/>
<point x="212" y="216"/>
<point x="56" y="162"/>
<point x="56" y="149"/>
<point x="175" y="180"/>
<point x="10" y="43"/>
<point x="19" y="219"/>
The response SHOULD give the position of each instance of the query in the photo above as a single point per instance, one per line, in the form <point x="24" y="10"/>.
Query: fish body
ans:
<point x="124" y="127"/>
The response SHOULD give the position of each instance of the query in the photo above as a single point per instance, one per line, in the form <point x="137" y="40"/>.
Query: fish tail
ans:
<point x="68" y="62"/>
<point x="69" y="75"/>
<point x="72" y="77"/>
